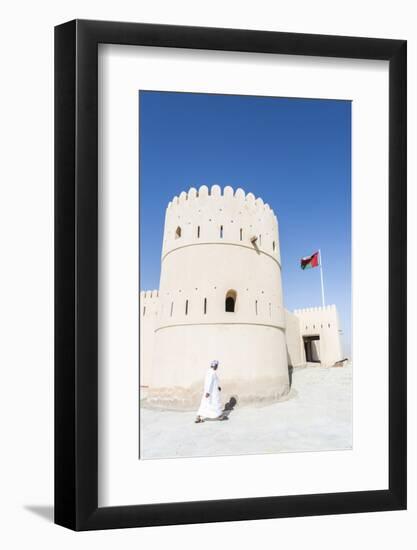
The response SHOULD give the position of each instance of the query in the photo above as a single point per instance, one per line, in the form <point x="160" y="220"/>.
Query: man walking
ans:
<point x="211" y="406"/>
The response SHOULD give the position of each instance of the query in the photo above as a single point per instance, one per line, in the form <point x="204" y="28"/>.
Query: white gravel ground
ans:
<point x="316" y="416"/>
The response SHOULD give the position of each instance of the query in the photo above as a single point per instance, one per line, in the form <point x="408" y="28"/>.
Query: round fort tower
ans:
<point x="220" y="297"/>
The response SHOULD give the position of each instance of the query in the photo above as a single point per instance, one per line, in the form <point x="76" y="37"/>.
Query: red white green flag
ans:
<point x="310" y="261"/>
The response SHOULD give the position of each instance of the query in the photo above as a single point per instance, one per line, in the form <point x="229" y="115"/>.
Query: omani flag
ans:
<point x="310" y="261"/>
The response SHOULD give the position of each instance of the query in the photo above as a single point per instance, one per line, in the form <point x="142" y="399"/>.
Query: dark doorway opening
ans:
<point x="312" y="348"/>
<point x="230" y="304"/>
<point x="230" y="301"/>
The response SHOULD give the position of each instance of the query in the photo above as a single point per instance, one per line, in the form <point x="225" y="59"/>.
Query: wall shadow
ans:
<point x="290" y="371"/>
<point x="290" y="368"/>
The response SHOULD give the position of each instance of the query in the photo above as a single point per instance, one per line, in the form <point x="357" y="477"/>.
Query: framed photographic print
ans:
<point x="230" y="252"/>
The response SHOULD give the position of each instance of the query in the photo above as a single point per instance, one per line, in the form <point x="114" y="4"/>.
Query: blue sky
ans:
<point x="294" y="153"/>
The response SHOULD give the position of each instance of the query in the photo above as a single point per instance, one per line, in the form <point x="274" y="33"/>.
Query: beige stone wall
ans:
<point x="207" y="255"/>
<point x="148" y="311"/>
<point x="295" y="351"/>
<point x="252" y="367"/>
<point x="323" y="322"/>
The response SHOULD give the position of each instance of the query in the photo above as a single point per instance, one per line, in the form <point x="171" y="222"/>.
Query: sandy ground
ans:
<point x="315" y="416"/>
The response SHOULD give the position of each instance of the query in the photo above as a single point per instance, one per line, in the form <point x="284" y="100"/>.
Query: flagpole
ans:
<point x="321" y="278"/>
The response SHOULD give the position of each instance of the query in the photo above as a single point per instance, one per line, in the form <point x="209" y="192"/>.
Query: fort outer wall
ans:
<point x="148" y="311"/>
<point x="322" y="322"/>
<point x="209" y="258"/>
<point x="308" y="318"/>
<point x="294" y="342"/>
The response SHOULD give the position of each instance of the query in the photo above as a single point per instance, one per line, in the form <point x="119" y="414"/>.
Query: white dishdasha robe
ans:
<point x="211" y="406"/>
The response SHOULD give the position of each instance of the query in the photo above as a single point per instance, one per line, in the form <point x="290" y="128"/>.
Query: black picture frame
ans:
<point x="76" y="273"/>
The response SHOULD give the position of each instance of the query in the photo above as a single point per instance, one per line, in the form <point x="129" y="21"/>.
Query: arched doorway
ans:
<point x="230" y="301"/>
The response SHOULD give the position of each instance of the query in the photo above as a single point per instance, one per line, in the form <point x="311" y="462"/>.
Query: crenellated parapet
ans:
<point x="215" y="192"/>
<point x="314" y="319"/>
<point x="149" y="302"/>
<point x="318" y="320"/>
<point x="222" y="217"/>
<point x="318" y="309"/>
<point x="148" y="294"/>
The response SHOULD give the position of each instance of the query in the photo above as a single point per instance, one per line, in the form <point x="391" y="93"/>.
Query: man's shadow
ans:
<point x="229" y="407"/>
